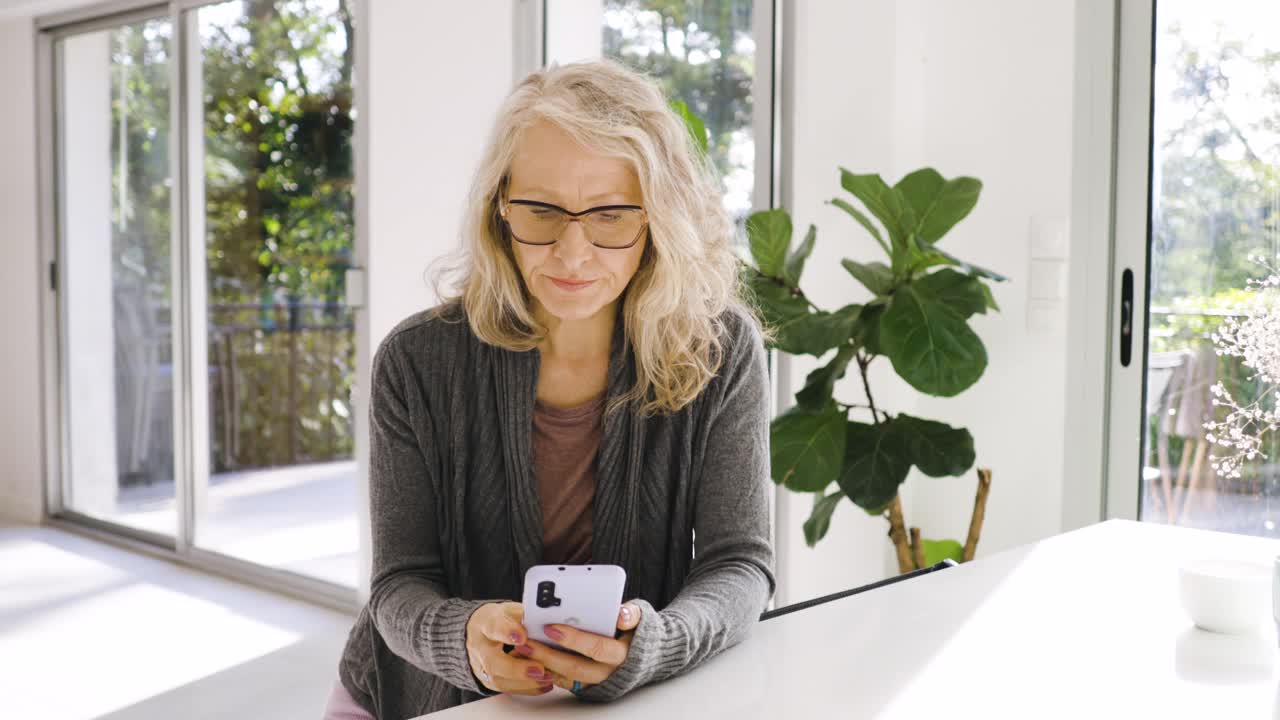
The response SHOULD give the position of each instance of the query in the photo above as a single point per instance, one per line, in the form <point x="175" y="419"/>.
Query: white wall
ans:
<point x="438" y="73"/>
<point x="21" y="494"/>
<point x="997" y="104"/>
<point x="981" y="88"/>
<point x="573" y="30"/>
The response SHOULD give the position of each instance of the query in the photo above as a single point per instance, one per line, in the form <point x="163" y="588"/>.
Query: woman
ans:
<point x="595" y="393"/>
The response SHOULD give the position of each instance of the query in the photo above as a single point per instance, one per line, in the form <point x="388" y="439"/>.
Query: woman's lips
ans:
<point x="571" y="284"/>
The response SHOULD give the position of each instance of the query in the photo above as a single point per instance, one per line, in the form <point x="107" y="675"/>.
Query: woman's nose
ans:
<point x="572" y="247"/>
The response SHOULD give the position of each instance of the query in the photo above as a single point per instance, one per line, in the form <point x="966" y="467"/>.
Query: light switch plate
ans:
<point x="1049" y="239"/>
<point x="1048" y="280"/>
<point x="1046" y="317"/>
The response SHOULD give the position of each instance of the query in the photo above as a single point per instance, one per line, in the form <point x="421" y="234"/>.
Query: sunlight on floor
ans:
<point x="86" y="635"/>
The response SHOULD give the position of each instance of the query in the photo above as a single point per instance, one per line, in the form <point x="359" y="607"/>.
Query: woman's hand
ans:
<point x="490" y="627"/>
<point x="603" y="654"/>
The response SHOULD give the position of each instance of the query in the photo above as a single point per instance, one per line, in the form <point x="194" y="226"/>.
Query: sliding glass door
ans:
<point x="205" y="200"/>
<point x="116" y="284"/>
<point x="273" y="104"/>
<point x="1198" y="231"/>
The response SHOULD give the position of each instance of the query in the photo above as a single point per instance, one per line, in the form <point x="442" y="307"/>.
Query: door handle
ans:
<point x="1126" y="317"/>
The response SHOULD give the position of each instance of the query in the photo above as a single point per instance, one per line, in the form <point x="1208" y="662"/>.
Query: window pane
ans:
<point x="113" y="176"/>
<point x="276" y="100"/>
<point x="702" y="52"/>
<point x="1215" y="201"/>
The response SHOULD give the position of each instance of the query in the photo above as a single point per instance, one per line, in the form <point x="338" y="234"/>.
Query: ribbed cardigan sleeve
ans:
<point x="731" y="577"/>
<point x="408" y="601"/>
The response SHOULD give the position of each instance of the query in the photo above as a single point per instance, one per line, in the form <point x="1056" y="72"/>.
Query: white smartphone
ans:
<point x="587" y="597"/>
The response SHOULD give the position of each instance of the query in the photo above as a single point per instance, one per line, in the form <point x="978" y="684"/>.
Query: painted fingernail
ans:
<point x="626" y="613"/>
<point x="536" y="673"/>
<point x="524" y="650"/>
<point x="515" y="638"/>
<point x="553" y="633"/>
<point x="543" y="690"/>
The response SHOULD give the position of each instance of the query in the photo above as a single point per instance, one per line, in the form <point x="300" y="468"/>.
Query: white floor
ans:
<point x="88" y="630"/>
<point x="300" y="518"/>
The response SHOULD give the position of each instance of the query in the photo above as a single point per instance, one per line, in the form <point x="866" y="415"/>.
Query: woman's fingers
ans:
<point x="514" y="674"/>
<point x="541" y="690"/>
<point x="505" y="624"/>
<point x="520" y="687"/>
<point x="532" y="665"/>
<point x="514" y="610"/>
<point x="516" y="668"/>
<point x="597" y="647"/>
<point x="567" y="665"/>
<point x="628" y="617"/>
<point x="494" y="625"/>
<point x="562" y="681"/>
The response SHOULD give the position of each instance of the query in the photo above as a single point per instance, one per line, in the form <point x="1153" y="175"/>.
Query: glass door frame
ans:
<point x="1110" y="204"/>
<point x="1131" y="260"/>
<point x="190" y="412"/>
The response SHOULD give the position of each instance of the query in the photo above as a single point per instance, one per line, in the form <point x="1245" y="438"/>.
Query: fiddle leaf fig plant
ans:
<point x="921" y="301"/>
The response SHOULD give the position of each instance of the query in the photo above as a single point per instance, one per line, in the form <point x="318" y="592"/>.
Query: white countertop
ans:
<point x="1086" y="624"/>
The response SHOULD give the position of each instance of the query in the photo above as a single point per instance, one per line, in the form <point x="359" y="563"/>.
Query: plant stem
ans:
<point x="851" y="406"/>
<point x="917" y="548"/>
<point x="793" y="289"/>
<point x="898" y="534"/>
<point x="856" y="406"/>
<point x="979" y="512"/>
<point x="863" y="362"/>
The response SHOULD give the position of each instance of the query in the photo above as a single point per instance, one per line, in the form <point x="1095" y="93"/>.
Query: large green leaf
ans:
<point x="991" y="299"/>
<point x="815" y="528"/>
<point x="937" y="203"/>
<point x="937" y="448"/>
<point x="796" y="329"/>
<point x="817" y="332"/>
<point x="882" y="201"/>
<point x="935" y="551"/>
<point x="867" y="329"/>
<point x="815" y="396"/>
<point x="925" y="334"/>
<point x="697" y="129"/>
<point x="777" y="302"/>
<point x="794" y="266"/>
<point x="962" y="292"/>
<point x="806" y="449"/>
<point x="876" y="461"/>
<point x="932" y="255"/>
<point x="863" y="220"/>
<point x="769" y="233"/>
<point x="874" y="276"/>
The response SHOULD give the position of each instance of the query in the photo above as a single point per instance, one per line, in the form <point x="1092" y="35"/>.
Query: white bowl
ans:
<point x="1226" y="596"/>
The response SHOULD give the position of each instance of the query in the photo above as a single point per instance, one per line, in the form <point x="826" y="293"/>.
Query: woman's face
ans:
<point x="572" y="279"/>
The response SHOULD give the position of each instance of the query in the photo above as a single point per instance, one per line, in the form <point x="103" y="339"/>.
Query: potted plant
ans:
<point x="917" y="318"/>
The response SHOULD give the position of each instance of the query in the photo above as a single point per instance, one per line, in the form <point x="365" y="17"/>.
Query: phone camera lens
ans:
<point x="547" y="594"/>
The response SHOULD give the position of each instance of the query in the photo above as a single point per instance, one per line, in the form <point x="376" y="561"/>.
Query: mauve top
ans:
<point x="565" y="441"/>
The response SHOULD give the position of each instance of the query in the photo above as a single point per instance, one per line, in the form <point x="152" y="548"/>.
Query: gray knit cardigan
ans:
<point x="456" y="520"/>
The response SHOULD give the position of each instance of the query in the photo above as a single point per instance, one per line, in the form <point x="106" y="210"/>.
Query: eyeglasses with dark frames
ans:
<point x="612" y="227"/>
